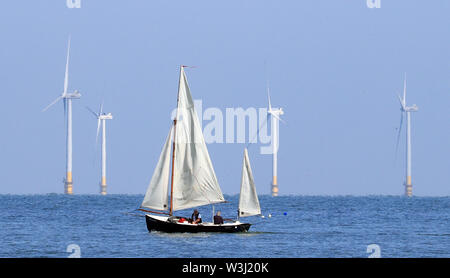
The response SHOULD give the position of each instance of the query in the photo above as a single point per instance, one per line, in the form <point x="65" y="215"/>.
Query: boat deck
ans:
<point x="175" y="219"/>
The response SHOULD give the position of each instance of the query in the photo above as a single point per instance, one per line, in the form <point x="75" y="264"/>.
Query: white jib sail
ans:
<point x="156" y="196"/>
<point x="248" y="199"/>
<point x="195" y="182"/>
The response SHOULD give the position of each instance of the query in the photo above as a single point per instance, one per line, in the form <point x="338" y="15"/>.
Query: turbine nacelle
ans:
<point x="402" y="100"/>
<point x="100" y="116"/>
<point x="278" y="111"/>
<point x="413" y="108"/>
<point x="75" y="95"/>
<point x="105" y="116"/>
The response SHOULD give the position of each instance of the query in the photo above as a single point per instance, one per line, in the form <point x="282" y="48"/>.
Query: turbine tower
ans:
<point x="275" y="118"/>
<point x="67" y="99"/>
<point x="101" y="121"/>
<point x="406" y="109"/>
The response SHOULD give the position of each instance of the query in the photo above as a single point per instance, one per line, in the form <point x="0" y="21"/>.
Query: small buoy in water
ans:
<point x="285" y="213"/>
<point x="270" y="215"/>
<point x="262" y="216"/>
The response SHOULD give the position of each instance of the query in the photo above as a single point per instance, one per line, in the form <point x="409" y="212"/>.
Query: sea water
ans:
<point x="56" y="225"/>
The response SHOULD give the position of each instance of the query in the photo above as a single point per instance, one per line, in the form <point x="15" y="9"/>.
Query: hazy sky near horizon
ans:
<point x="334" y="66"/>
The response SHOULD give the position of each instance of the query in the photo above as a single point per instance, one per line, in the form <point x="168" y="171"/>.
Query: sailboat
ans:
<point x="185" y="162"/>
<point x="248" y="198"/>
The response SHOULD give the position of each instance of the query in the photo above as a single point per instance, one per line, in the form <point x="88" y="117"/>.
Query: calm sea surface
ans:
<point x="299" y="226"/>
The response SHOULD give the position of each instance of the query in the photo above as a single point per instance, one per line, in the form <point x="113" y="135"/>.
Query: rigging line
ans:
<point x="132" y="213"/>
<point x="257" y="222"/>
<point x="151" y="211"/>
<point x="192" y="67"/>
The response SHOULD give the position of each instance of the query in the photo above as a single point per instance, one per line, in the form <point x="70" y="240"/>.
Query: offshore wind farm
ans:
<point x="275" y="119"/>
<point x="323" y="127"/>
<point x="406" y="110"/>
<point x="101" y="123"/>
<point x="67" y="98"/>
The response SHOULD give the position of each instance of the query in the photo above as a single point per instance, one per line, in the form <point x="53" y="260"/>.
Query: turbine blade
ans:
<point x="277" y="117"/>
<point x="268" y="97"/>
<point x="66" y="76"/>
<point x="398" y="135"/>
<point x="65" y="112"/>
<point x="401" y="102"/>
<point x="98" y="130"/>
<point x="101" y="108"/>
<point x="90" y="110"/>
<point x="51" y="104"/>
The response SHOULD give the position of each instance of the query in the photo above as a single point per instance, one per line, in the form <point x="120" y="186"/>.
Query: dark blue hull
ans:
<point x="174" y="227"/>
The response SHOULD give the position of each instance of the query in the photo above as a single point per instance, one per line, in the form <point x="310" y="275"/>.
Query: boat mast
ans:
<point x="173" y="163"/>
<point x="173" y="148"/>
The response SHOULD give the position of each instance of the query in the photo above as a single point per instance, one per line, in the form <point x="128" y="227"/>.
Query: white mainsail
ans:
<point x="194" y="180"/>
<point x="156" y="196"/>
<point x="248" y="199"/>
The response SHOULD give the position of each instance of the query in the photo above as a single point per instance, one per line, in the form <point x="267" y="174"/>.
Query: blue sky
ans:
<point x="334" y="66"/>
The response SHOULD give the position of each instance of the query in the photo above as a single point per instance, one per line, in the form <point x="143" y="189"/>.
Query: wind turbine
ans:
<point x="406" y="109"/>
<point x="275" y="118"/>
<point x="101" y="121"/>
<point x="67" y="99"/>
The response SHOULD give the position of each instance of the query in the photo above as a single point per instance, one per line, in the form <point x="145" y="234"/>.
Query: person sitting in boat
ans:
<point x="196" y="217"/>
<point x="217" y="218"/>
